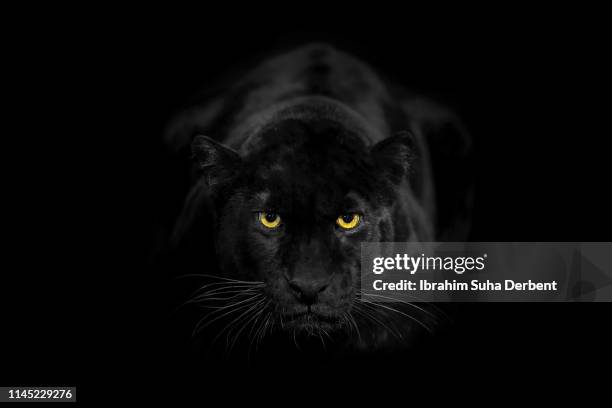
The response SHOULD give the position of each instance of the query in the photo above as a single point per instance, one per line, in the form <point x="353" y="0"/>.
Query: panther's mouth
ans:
<point x="310" y="320"/>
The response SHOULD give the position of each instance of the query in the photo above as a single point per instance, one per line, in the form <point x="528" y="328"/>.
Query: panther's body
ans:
<point x="297" y="145"/>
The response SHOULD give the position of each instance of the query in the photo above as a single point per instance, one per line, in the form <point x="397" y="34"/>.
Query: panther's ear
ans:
<point x="219" y="163"/>
<point x="395" y="156"/>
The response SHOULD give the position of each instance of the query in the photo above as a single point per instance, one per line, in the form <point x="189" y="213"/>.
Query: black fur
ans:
<point x="308" y="136"/>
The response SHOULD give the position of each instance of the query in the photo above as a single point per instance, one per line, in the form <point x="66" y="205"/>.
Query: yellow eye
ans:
<point x="348" y="221"/>
<point x="269" y="220"/>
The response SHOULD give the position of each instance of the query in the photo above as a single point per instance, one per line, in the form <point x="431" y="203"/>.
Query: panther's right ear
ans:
<point x="395" y="156"/>
<point x="218" y="162"/>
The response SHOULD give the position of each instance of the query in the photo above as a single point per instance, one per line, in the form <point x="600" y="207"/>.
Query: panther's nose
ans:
<point x="307" y="290"/>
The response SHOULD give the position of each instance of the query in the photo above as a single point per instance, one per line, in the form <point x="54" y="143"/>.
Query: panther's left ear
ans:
<point x="395" y="155"/>
<point x="218" y="162"/>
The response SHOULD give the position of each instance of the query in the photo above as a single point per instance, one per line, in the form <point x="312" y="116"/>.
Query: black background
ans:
<point x="90" y="185"/>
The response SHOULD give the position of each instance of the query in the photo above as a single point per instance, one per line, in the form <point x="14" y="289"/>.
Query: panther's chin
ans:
<point x="311" y="321"/>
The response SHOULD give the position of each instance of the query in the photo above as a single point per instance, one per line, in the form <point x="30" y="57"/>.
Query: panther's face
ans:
<point x="293" y="213"/>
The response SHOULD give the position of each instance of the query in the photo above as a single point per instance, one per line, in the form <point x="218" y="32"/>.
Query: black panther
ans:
<point x="297" y="163"/>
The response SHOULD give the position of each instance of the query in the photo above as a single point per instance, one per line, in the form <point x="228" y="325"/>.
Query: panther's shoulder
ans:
<point x="294" y="82"/>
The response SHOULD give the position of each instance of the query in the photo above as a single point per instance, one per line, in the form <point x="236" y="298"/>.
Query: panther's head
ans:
<point x="292" y="213"/>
